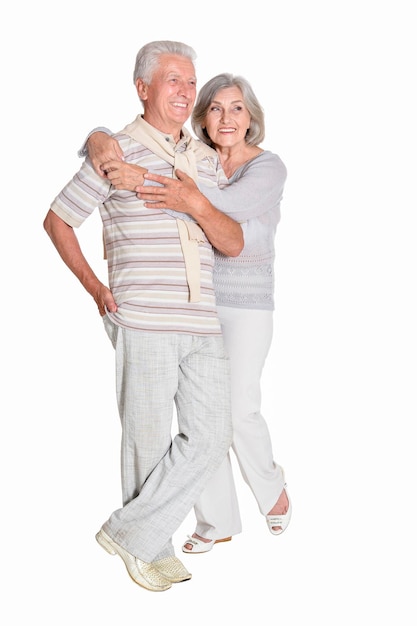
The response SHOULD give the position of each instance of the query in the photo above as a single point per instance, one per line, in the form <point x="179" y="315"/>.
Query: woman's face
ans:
<point x="227" y="119"/>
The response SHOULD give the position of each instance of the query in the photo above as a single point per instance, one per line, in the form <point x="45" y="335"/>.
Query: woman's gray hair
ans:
<point x="207" y="94"/>
<point x="147" y="59"/>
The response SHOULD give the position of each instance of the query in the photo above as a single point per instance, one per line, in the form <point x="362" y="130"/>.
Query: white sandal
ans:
<point x="203" y="546"/>
<point x="280" y="520"/>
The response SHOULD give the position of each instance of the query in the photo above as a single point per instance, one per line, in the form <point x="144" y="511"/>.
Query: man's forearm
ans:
<point x="65" y="241"/>
<point x="223" y="232"/>
<point x="182" y="195"/>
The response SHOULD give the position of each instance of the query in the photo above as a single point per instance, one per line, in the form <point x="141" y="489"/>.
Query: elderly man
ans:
<point x="159" y="312"/>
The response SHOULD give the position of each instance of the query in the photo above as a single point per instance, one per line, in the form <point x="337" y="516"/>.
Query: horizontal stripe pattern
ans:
<point x="145" y="262"/>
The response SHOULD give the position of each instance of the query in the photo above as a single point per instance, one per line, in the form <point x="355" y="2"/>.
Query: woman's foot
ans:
<point x="197" y="544"/>
<point x="189" y="546"/>
<point x="279" y="516"/>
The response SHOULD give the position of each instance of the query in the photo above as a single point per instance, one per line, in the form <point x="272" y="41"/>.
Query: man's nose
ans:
<point x="185" y="88"/>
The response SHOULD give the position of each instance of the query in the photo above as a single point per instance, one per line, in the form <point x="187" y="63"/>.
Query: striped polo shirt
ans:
<point x="146" y="268"/>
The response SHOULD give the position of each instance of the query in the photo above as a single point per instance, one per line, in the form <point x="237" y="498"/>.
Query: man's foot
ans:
<point x="172" y="569"/>
<point x="144" y="574"/>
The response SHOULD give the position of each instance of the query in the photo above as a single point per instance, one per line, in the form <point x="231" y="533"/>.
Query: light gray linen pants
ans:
<point x="247" y="335"/>
<point x="162" y="478"/>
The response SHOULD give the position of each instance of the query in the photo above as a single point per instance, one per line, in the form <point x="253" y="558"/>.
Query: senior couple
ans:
<point x="190" y="254"/>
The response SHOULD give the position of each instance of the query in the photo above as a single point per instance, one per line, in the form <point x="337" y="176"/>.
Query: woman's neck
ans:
<point x="232" y="158"/>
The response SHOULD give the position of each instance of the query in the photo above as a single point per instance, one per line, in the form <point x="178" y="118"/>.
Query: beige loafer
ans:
<point x="172" y="569"/>
<point x="143" y="574"/>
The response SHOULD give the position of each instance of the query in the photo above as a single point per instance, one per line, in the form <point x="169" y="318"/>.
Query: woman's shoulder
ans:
<point x="271" y="157"/>
<point x="267" y="161"/>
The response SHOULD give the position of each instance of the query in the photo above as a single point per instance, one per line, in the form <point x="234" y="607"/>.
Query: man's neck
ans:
<point x="168" y="129"/>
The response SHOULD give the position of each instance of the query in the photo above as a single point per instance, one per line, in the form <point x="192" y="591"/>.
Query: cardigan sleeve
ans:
<point x="256" y="188"/>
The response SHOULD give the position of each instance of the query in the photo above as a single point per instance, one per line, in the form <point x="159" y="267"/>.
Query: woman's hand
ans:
<point x="101" y="149"/>
<point x="124" y="175"/>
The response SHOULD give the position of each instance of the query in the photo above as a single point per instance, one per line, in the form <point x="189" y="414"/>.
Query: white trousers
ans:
<point x="247" y="336"/>
<point x="162" y="478"/>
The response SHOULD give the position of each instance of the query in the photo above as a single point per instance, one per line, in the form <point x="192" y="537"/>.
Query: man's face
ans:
<point x="169" y="98"/>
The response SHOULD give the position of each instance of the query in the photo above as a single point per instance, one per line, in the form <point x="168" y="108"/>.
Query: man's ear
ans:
<point x="142" y="89"/>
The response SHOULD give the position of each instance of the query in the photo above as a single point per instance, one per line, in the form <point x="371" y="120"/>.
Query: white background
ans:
<point x="337" y="81"/>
